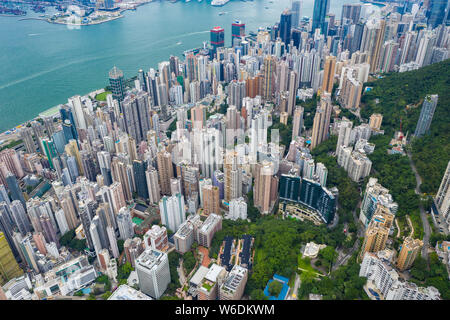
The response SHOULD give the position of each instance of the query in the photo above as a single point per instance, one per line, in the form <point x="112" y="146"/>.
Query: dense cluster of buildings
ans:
<point x="106" y="169"/>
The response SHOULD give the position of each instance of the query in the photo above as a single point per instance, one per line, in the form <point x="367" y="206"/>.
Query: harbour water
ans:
<point x="43" y="64"/>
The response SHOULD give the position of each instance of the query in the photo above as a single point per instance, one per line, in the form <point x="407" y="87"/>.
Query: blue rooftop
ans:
<point x="284" y="290"/>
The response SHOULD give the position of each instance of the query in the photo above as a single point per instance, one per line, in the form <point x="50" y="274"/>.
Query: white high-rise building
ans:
<point x="61" y="221"/>
<point x="238" y="209"/>
<point x="125" y="224"/>
<point x="442" y="199"/>
<point x="172" y="210"/>
<point x="154" y="192"/>
<point x="383" y="276"/>
<point x="322" y="173"/>
<point x="77" y="108"/>
<point x="152" y="268"/>
<point x="345" y="129"/>
<point x="112" y="241"/>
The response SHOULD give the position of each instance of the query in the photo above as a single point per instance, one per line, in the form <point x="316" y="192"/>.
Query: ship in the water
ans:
<point x="219" y="3"/>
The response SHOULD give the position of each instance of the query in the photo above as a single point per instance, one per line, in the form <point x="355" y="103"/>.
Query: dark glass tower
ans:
<point x="13" y="186"/>
<point x="116" y="82"/>
<point x="285" y="26"/>
<point x="321" y="8"/>
<point x="237" y="32"/>
<point x="139" y="168"/>
<point x="437" y="12"/>
<point x="69" y="127"/>
<point x="297" y="37"/>
<point x="217" y="37"/>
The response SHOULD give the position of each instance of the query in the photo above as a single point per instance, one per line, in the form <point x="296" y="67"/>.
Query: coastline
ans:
<point x="80" y="24"/>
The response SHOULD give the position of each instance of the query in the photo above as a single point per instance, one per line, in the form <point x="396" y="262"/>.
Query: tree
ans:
<point x="275" y="288"/>
<point x="106" y="295"/>
<point x="258" y="294"/>
<point x="189" y="261"/>
<point x="120" y="243"/>
<point x="79" y="293"/>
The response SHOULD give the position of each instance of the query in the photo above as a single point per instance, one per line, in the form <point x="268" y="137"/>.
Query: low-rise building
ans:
<point x="124" y="292"/>
<point x="208" y="288"/>
<point x="234" y="284"/>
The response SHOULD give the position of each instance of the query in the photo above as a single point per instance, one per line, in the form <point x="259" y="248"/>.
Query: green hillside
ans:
<point x="400" y="96"/>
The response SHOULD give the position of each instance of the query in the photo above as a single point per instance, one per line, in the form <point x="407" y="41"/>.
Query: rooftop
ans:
<point x="125" y="292"/>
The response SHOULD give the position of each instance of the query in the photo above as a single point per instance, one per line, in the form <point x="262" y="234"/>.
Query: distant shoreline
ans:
<point x="81" y="24"/>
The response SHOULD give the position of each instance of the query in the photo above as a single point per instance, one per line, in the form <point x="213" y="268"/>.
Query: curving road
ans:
<point x="423" y="214"/>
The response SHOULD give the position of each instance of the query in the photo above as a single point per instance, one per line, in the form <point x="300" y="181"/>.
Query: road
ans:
<point x="360" y="233"/>
<point x="294" y="292"/>
<point x="423" y="214"/>
<point x="164" y="125"/>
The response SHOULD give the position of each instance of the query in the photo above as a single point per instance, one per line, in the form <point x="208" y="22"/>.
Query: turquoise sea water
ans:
<point x="43" y="64"/>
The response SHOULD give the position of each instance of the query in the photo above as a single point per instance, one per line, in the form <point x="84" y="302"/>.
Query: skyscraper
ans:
<point x="217" y="38"/>
<point x="442" y="199"/>
<point x="321" y="8"/>
<point x="426" y="115"/>
<point x="136" y="115"/>
<point x="297" y="122"/>
<point x="13" y="186"/>
<point x="408" y="253"/>
<point x="296" y="10"/>
<point x="26" y="134"/>
<point x="139" y="168"/>
<point x="211" y="201"/>
<point x="50" y="150"/>
<point x="153" y="272"/>
<point x="152" y="185"/>
<point x="321" y="121"/>
<point x="116" y="81"/>
<point x="350" y="13"/>
<point x="266" y="186"/>
<point x="269" y="73"/>
<point x="165" y="170"/>
<point x="69" y="126"/>
<point x="328" y="74"/>
<point x="237" y="32"/>
<point x="377" y="232"/>
<point x="437" y="12"/>
<point x="285" y="26"/>
<point x="172" y="211"/>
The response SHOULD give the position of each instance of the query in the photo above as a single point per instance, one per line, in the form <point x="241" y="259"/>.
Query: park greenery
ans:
<point x="337" y="177"/>
<point x="104" y="280"/>
<point x="69" y="240"/>
<point x="188" y="262"/>
<point x="435" y="275"/>
<point x="394" y="172"/>
<point x="309" y="110"/>
<point x="11" y="144"/>
<point x="123" y="272"/>
<point x="174" y="262"/>
<point x="284" y="131"/>
<point x="342" y="284"/>
<point x="277" y="244"/>
<point x="102" y="96"/>
<point x="400" y="97"/>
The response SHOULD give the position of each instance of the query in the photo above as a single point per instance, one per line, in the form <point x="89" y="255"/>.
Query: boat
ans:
<point x="221" y="13"/>
<point x="219" y="3"/>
